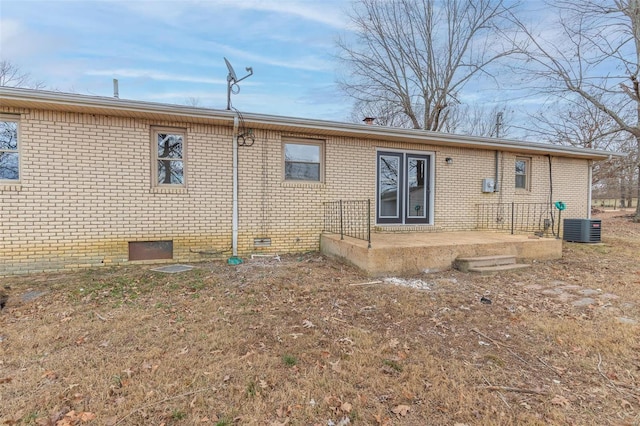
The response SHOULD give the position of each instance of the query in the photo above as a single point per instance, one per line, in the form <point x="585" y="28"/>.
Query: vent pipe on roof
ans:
<point x="115" y="89"/>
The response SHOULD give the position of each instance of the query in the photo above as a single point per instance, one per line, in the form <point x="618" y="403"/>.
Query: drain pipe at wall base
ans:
<point x="590" y="188"/>
<point x="234" y="259"/>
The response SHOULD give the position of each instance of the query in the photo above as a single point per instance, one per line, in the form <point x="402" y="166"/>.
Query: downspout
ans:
<point x="234" y="259"/>
<point x="553" y="218"/>
<point x="496" y="185"/>
<point x="590" y="188"/>
<point x="496" y="182"/>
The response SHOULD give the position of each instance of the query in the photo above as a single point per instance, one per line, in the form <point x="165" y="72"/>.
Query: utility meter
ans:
<point x="488" y="185"/>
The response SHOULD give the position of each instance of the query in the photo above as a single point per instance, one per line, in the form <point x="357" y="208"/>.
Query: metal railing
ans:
<point x="515" y="217"/>
<point x="348" y="217"/>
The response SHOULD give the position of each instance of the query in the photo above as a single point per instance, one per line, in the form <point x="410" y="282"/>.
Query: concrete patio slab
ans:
<point x="412" y="253"/>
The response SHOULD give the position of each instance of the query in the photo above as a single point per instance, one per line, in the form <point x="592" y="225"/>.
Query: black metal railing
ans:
<point x="514" y="217"/>
<point x="348" y="217"/>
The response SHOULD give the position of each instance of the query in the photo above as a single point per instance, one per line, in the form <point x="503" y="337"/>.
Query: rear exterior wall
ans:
<point x="86" y="191"/>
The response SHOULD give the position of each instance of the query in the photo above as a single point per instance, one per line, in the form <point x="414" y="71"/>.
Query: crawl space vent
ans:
<point x="150" y="250"/>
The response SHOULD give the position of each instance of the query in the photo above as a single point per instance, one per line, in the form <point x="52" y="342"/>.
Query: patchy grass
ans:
<point x="292" y="342"/>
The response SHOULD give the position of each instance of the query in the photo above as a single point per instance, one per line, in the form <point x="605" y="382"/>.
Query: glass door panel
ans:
<point x="389" y="187"/>
<point x="417" y="204"/>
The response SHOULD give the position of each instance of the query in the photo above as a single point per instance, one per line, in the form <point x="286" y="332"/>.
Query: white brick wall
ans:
<point x="86" y="191"/>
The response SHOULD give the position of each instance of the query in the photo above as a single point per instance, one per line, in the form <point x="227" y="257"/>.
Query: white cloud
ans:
<point x="306" y="63"/>
<point x="19" y="42"/>
<point x="180" y="97"/>
<point x="10" y="31"/>
<point x="154" y="75"/>
<point x="327" y="12"/>
<point x="330" y="13"/>
<point x="172" y="50"/>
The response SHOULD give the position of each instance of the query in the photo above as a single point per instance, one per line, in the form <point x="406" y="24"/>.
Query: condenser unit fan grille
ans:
<point x="582" y="230"/>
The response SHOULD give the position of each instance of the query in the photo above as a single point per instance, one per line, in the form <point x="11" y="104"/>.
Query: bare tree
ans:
<point x="464" y="119"/>
<point x="575" y="122"/>
<point x="628" y="174"/>
<point x="416" y="56"/>
<point x="593" y="52"/>
<point x="12" y="76"/>
<point x="579" y="123"/>
<point x="384" y="113"/>
<point x="479" y="120"/>
<point x="193" y="101"/>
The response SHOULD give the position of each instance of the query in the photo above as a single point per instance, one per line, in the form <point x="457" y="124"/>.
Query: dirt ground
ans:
<point x="306" y="340"/>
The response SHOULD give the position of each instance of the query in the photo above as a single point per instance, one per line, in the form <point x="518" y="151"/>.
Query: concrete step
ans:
<point x="490" y="270"/>
<point x="465" y="263"/>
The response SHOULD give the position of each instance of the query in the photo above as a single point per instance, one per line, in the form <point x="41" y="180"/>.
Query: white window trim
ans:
<point x="167" y="187"/>
<point x="15" y="119"/>
<point x="527" y="174"/>
<point x="321" y="143"/>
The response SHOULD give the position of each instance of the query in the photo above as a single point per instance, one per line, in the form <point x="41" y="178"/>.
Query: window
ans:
<point x="302" y="161"/>
<point x="523" y="165"/>
<point x="169" y="159"/>
<point x="9" y="152"/>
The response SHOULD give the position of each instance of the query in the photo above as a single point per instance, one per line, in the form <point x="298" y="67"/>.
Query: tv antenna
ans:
<point x="233" y="80"/>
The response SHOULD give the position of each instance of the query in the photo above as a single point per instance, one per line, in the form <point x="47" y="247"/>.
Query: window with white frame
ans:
<point x="9" y="149"/>
<point x="169" y="156"/>
<point x="303" y="160"/>
<point x="523" y="172"/>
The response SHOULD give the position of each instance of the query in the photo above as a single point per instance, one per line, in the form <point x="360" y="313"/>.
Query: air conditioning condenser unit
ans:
<point x="582" y="230"/>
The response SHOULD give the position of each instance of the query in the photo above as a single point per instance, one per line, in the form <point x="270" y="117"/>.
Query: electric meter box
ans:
<point x="488" y="185"/>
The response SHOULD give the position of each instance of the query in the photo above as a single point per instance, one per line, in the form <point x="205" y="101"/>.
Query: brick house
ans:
<point x="88" y="180"/>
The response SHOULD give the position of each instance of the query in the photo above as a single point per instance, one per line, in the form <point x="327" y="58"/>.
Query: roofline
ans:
<point x="436" y="138"/>
<point x="39" y="99"/>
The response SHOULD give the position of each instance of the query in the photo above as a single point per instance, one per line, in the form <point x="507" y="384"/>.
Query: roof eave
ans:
<point x="426" y="137"/>
<point x="27" y="98"/>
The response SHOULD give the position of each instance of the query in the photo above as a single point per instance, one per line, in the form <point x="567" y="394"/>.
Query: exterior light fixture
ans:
<point x="449" y="160"/>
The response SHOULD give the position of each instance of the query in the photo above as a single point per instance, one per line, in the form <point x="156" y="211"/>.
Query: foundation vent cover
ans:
<point x="150" y="250"/>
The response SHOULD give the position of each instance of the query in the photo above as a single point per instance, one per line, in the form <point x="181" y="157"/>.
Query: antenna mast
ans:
<point x="233" y="80"/>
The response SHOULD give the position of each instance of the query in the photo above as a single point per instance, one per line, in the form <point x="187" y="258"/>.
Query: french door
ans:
<point x="403" y="190"/>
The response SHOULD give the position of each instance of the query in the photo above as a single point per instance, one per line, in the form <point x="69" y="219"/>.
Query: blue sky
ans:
<point x="169" y="51"/>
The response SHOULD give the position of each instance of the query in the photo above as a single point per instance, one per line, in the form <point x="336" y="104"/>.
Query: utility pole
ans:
<point x="498" y="123"/>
